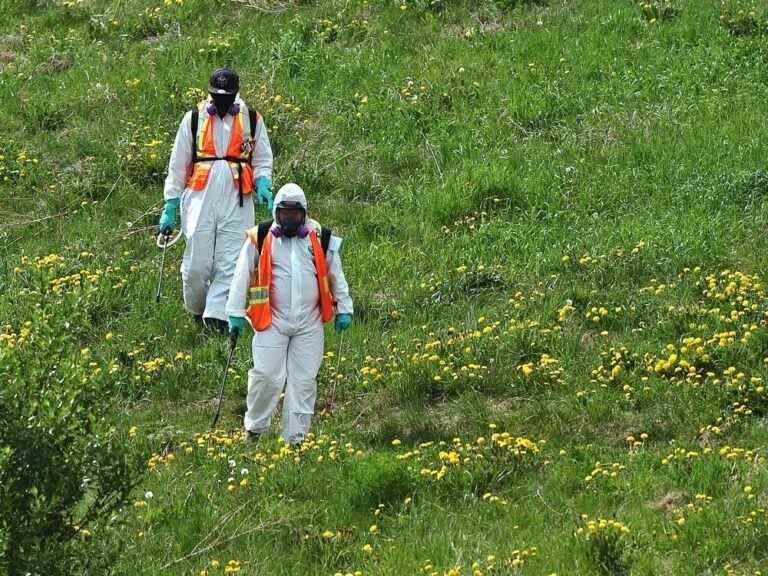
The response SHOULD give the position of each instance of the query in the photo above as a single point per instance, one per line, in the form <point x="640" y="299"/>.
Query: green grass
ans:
<point x="487" y="163"/>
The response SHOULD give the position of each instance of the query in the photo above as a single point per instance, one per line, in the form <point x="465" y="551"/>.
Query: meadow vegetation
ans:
<point x="554" y="215"/>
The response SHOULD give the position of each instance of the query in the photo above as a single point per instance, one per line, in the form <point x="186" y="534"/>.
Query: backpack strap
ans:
<point x="325" y="239"/>
<point x="253" y="116"/>
<point x="193" y="121"/>
<point x="262" y="233"/>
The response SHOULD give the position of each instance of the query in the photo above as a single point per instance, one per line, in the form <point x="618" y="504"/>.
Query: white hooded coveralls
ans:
<point x="289" y="353"/>
<point x="212" y="219"/>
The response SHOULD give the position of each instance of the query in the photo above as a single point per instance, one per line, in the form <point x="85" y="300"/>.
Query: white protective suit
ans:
<point x="290" y="351"/>
<point x="212" y="219"/>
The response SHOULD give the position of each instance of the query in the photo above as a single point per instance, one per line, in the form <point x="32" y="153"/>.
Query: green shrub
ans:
<point x="64" y="469"/>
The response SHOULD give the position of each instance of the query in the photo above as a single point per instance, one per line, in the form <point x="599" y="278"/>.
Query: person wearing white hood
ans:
<point x="287" y="280"/>
<point x="221" y="153"/>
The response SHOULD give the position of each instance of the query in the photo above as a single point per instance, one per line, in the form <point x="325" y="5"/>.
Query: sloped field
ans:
<point x="554" y="223"/>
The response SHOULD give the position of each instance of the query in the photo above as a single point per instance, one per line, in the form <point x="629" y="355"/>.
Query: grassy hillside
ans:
<point x="554" y="216"/>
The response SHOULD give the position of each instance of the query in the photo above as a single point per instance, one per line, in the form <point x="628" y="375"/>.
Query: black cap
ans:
<point x="224" y="81"/>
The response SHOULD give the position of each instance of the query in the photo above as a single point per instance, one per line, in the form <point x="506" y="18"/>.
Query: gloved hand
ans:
<point x="264" y="191"/>
<point x="168" y="217"/>
<point x="342" y="322"/>
<point x="236" y="324"/>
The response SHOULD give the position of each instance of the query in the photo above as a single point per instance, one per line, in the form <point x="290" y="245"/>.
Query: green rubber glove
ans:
<point x="264" y="191"/>
<point x="168" y="217"/>
<point x="236" y="324"/>
<point x="342" y="322"/>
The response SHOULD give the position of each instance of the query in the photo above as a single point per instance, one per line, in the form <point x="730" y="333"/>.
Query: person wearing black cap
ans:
<point x="221" y="157"/>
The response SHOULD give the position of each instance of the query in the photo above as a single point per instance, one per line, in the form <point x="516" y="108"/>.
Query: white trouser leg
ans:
<point x="266" y="379"/>
<point x="196" y="269"/>
<point x="305" y="354"/>
<point x="227" y="249"/>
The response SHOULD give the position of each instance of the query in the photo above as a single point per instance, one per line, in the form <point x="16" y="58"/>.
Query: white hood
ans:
<point x="293" y="193"/>
<point x="290" y="193"/>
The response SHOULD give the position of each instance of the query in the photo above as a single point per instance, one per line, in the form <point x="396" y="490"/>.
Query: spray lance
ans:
<point x="164" y="241"/>
<point x="232" y="346"/>
<point x="338" y="367"/>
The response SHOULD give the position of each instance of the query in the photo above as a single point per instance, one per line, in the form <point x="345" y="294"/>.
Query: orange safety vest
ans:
<point x="238" y="153"/>
<point x="259" y="311"/>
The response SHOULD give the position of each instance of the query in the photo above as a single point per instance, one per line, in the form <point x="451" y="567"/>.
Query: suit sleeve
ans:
<point x="339" y="286"/>
<point x="241" y="281"/>
<point x="181" y="160"/>
<point x="262" y="154"/>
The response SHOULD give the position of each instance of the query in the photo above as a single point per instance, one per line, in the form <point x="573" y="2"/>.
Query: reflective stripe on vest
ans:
<point x="238" y="154"/>
<point x="259" y="310"/>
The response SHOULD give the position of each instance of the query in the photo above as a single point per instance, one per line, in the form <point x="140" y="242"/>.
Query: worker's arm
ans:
<point x="238" y="290"/>
<point x="339" y="286"/>
<point x="262" y="153"/>
<point x="181" y="160"/>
